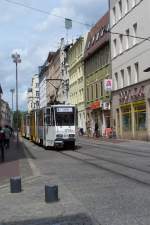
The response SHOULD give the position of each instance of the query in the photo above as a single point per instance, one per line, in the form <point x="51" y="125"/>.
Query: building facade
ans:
<point x="97" y="70"/>
<point x="77" y="80"/>
<point x="130" y="57"/>
<point x="33" y="94"/>
<point x="5" y="113"/>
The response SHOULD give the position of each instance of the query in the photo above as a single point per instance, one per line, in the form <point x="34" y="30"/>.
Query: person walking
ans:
<point x="7" y="133"/>
<point x="2" y="141"/>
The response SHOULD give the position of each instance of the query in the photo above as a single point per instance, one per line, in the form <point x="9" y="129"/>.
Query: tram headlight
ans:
<point x="71" y="135"/>
<point x="59" y="135"/>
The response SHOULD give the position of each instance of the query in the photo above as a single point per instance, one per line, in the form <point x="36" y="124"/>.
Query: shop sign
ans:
<point x="95" y="105"/>
<point x="108" y="84"/>
<point x="131" y="95"/>
<point x="106" y="106"/>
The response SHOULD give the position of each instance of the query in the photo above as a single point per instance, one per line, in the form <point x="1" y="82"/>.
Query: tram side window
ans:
<point x="47" y="117"/>
<point x="52" y="117"/>
<point x="40" y="118"/>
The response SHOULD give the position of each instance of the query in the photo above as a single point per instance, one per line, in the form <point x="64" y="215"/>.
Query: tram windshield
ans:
<point x="64" y="116"/>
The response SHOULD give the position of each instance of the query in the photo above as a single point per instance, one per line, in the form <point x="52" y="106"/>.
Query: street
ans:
<point x="102" y="182"/>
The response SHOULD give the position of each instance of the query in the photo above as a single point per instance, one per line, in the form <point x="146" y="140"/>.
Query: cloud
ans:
<point x="33" y="35"/>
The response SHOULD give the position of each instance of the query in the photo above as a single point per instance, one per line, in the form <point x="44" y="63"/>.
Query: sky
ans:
<point x="33" y="34"/>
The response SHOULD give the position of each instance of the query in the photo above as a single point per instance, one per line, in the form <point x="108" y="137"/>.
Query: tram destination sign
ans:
<point x="64" y="109"/>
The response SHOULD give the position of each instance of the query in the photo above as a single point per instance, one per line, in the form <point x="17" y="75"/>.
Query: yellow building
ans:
<point x="76" y="80"/>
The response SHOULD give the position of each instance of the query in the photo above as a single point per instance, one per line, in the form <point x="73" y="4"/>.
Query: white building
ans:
<point x="129" y="19"/>
<point x="33" y="94"/>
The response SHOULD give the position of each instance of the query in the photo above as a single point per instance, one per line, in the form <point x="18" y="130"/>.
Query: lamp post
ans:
<point x="12" y="107"/>
<point x="16" y="59"/>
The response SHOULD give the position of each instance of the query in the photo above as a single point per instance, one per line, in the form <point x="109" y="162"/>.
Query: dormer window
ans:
<point x="102" y="32"/>
<point x="93" y="39"/>
<point x="97" y="36"/>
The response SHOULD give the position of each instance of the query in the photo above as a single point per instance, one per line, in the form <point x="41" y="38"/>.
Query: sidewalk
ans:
<point x="15" y="163"/>
<point x="105" y="139"/>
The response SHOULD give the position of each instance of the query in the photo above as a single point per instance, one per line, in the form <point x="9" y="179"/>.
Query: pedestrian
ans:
<point x="2" y="141"/>
<point x="7" y="133"/>
<point x="96" y="130"/>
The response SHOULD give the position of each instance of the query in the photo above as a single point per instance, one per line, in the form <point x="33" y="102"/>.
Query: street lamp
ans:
<point x="16" y="59"/>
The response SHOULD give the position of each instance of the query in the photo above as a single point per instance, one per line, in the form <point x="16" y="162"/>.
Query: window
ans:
<point x="37" y="93"/>
<point x="121" y="43"/>
<point x="133" y="3"/>
<point x="129" y="75"/>
<point x="88" y="94"/>
<point x="102" y="92"/>
<point x="96" y="91"/>
<point x="116" y="81"/>
<point x="126" y="119"/>
<point x="97" y="36"/>
<point x="37" y="85"/>
<point x="127" y="38"/>
<point x="114" y="15"/>
<point x="93" y="39"/>
<point x="120" y="8"/>
<point x="91" y="92"/>
<point x="140" y="117"/>
<point x="115" y="47"/>
<point x="122" y="78"/>
<point x="127" y="6"/>
<point x="134" y="33"/>
<point x="136" y="68"/>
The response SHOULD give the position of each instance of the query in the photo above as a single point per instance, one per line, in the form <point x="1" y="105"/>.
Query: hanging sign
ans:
<point x="108" y="84"/>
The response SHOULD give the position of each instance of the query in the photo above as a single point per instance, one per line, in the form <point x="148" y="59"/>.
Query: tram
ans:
<point x="53" y="126"/>
<point x="25" y="125"/>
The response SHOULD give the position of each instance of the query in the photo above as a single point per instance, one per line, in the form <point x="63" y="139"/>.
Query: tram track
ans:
<point x="114" y="149"/>
<point x="132" y="173"/>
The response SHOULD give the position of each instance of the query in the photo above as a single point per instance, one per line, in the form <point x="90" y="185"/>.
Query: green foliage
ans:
<point x="15" y="119"/>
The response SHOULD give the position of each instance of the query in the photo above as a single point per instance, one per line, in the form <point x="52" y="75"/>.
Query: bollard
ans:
<point x="15" y="184"/>
<point x="51" y="193"/>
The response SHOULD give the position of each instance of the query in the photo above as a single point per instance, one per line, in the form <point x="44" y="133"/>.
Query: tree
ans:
<point x="15" y="119"/>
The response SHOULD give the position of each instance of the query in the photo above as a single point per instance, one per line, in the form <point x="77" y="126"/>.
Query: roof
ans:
<point x="97" y="37"/>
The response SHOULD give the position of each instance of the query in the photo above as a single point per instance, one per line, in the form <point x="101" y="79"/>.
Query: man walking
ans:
<point x="7" y="133"/>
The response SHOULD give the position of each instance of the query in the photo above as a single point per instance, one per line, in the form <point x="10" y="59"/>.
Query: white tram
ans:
<point x="54" y="126"/>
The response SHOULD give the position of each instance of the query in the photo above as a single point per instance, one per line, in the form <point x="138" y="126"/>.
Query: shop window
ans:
<point x="126" y="119"/>
<point x="140" y="117"/>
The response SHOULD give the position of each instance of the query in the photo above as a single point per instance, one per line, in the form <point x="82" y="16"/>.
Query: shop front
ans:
<point x="131" y="112"/>
<point x="98" y="117"/>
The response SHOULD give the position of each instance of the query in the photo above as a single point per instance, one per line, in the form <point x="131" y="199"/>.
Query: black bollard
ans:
<point x="15" y="184"/>
<point x="51" y="193"/>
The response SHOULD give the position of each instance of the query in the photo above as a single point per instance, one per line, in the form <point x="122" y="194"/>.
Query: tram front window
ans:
<point x="64" y="117"/>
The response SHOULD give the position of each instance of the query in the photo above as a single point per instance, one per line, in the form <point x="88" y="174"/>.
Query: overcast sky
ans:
<point x="33" y="35"/>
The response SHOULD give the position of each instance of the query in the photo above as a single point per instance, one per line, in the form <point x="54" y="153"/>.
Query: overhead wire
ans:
<point x="44" y="12"/>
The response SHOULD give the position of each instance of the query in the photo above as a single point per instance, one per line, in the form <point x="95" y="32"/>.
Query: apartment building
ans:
<point x="77" y="79"/>
<point x="33" y="94"/>
<point x="130" y="53"/>
<point x="97" y="71"/>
